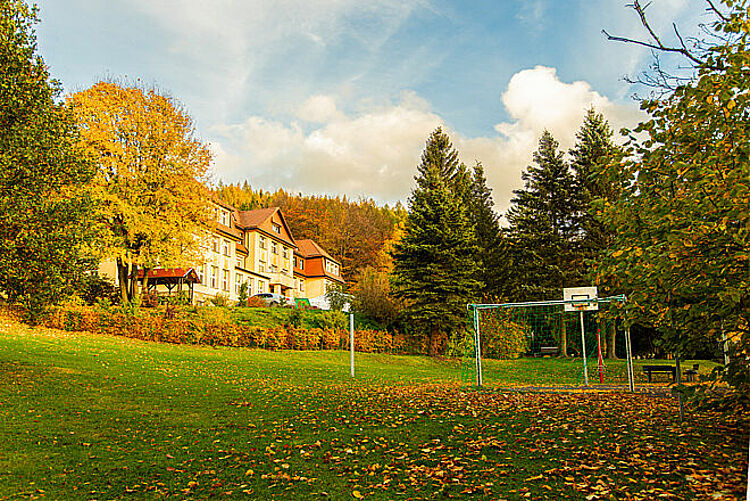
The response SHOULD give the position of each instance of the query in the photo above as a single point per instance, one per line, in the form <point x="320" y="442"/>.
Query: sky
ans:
<point x="338" y="97"/>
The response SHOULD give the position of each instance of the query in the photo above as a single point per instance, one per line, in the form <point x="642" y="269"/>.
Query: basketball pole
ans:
<point x="583" y="344"/>
<point x="599" y="349"/>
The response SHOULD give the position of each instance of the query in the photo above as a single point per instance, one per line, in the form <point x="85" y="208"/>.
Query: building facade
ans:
<point x="257" y="248"/>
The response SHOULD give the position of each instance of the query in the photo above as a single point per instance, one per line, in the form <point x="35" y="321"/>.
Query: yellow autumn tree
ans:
<point x="151" y="183"/>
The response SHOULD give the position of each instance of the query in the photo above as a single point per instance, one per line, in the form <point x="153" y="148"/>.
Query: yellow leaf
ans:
<point x="357" y="494"/>
<point x="249" y="472"/>
<point x="617" y="253"/>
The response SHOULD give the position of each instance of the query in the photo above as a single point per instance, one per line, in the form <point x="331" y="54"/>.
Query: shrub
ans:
<point x="220" y="299"/>
<point x="215" y="327"/>
<point x="256" y="302"/>
<point x="503" y="338"/>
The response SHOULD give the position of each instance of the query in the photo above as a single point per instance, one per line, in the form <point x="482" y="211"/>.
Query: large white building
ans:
<point x="255" y="247"/>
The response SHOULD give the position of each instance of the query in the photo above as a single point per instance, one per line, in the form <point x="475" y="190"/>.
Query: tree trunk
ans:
<point x="134" y="292"/>
<point x="144" y="286"/>
<point x="611" y="354"/>
<point x="122" y="278"/>
<point x="563" y="337"/>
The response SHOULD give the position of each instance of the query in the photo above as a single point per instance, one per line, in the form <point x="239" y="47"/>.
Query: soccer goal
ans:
<point x="577" y="342"/>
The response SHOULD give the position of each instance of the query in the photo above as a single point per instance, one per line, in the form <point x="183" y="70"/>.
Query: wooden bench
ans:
<point x="667" y="369"/>
<point x="690" y="374"/>
<point x="551" y="351"/>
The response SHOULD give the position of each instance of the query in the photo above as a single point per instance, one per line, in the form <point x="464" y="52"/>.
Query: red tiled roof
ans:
<point x="308" y="248"/>
<point x="254" y="218"/>
<point x="187" y="273"/>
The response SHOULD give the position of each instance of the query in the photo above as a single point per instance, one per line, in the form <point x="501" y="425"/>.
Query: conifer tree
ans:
<point x="492" y="257"/>
<point x="543" y="233"/>
<point x="434" y="263"/>
<point x="593" y="152"/>
<point x="42" y="208"/>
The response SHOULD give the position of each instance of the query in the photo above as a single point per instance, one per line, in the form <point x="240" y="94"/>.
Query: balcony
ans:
<point x="279" y="277"/>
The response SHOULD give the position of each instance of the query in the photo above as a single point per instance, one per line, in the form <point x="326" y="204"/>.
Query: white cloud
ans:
<point x="374" y="152"/>
<point x="318" y="108"/>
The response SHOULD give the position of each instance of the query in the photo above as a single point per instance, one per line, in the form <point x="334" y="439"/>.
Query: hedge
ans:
<point x="191" y="328"/>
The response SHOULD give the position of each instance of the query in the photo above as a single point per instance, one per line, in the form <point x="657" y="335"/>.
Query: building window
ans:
<point x="262" y="267"/>
<point x="237" y="283"/>
<point x="225" y="281"/>
<point x="277" y="228"/>
<point x="274" y="248"/>
<point x="226" y="248"/>
<point x="262" y="242"/>
<point x="201" y="273"/>
<point x="302" y="285"/>
<point x="214" y="277"/>
<point x="301" y="264"/>
<point x="215" y="245"/>
<point x="260" y="287"/>
<point x="285" y="252"/>
<point x="239" y="262"/>
<point x="274" y="268"/>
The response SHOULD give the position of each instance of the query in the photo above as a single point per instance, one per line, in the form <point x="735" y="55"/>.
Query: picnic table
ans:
<point x="650" y="369"/>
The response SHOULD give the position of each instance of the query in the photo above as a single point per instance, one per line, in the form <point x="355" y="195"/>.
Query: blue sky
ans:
<point x="338" y="97"/>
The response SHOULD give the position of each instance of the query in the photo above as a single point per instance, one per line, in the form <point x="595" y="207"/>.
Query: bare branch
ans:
<point x="659" y="47"/>
<point x="642" y="14"/>
<point x="685" y="50"/>
<point x="717" y="11"/>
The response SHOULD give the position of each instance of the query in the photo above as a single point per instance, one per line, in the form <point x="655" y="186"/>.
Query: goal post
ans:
<point x="551" y="343"/>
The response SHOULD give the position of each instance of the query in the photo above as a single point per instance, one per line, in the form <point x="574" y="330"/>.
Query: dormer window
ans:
<point x="276" y="228"/>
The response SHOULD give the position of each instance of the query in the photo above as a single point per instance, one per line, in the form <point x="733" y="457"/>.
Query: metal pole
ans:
<point x="726" y="346"/>
<point x="679" y="383"/>
<point x="478" y="345"/>
<point x="583" y="344"/>
<point x="599" y="349"/>
<point x="351" y="342"/>
<point x="629" y="355"/>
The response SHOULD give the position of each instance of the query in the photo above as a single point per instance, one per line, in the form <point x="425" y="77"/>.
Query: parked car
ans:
<point x="274" y="299"/>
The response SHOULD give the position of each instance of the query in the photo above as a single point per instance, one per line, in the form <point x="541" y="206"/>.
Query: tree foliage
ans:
<point x="681" y="224"/>
<point x="150" y="181"/>
<point x="435" y="260"/>
<point x="543" y="231"/>
<point x="42" y="204"/>
<point x="492" y="257"/>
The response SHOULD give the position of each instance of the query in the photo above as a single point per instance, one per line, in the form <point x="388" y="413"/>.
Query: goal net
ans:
<point x="548" y="345"/>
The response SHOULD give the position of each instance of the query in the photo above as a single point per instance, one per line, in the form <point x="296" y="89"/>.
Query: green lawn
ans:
<point x="97" y="417"/>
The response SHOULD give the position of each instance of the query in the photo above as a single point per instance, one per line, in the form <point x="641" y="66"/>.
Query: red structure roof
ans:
<point x="164" y="274"/>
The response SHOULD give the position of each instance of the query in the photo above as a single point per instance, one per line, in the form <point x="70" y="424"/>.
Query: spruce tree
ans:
<point x="543" y="233"/>
<point x="492" y="259"/>
<point x="434" y="262"/>
<point x="593" y="152"/>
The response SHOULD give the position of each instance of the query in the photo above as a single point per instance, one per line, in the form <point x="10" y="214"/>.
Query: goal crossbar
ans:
<point x="609" y="299"/>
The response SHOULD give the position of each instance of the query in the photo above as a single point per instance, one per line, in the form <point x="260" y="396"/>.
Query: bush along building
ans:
<point x="255" y="248"/>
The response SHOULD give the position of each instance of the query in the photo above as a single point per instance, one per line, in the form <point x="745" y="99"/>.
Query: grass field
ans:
<point x="97" y="417"/>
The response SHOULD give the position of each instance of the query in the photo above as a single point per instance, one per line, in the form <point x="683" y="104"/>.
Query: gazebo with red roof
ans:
<point x="171" y="278"/>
